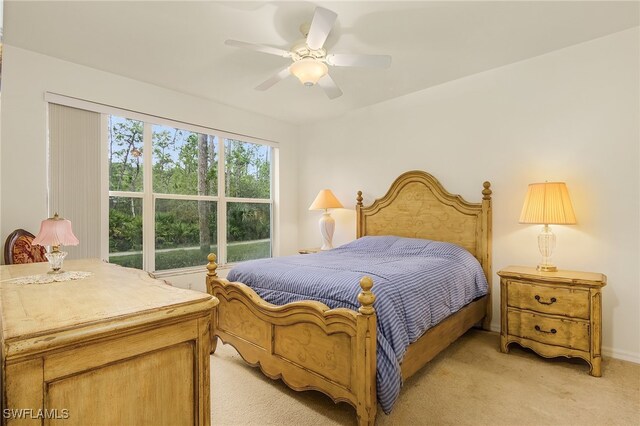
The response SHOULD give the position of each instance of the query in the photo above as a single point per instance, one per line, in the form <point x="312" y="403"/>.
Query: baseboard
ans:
<point x="623" y="355"/>
<point x="606" y="351"/>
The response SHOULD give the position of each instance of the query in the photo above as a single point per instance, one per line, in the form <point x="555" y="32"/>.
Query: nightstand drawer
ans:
<point x="553" y="331"/>
<point x="549" y="300"/>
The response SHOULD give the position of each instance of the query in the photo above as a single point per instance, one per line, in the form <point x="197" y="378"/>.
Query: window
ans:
<point x="176" y="194"/>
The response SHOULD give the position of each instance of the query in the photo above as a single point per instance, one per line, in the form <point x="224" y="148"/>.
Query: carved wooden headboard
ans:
<point x="417" y="206"/>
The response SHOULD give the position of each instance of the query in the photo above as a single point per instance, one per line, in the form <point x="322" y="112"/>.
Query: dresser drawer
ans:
<point x="549" y="300"/>
<point x="553" y="331"/>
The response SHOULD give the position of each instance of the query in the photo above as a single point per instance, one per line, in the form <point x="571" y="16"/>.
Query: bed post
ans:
<point x="486" y="249"/>
<point x="366" y="353"/>
<point x="211" y="275"/>
<point x="359" y="230"/>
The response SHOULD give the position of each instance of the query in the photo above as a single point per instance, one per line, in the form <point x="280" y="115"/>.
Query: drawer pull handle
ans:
<point x="552" y="331"/>
<point x="550" y="302"/>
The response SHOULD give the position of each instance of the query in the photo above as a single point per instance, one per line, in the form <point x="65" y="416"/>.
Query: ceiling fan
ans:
<point x="310" y="59"/>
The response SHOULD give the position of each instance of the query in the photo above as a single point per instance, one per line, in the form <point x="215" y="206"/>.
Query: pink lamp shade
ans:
<point x="56" y="231"/>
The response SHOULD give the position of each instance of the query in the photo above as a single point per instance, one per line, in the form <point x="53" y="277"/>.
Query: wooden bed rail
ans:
<point x="306" y="344"/>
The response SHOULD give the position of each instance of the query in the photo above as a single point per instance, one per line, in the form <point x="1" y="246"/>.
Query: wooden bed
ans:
<point x="310" y="346"/>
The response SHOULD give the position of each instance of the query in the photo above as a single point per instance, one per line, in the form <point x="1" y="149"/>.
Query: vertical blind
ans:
<point x="74" y="175"/>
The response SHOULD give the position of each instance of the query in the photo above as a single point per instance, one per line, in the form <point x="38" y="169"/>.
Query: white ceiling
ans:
<point x="179" y="45"/>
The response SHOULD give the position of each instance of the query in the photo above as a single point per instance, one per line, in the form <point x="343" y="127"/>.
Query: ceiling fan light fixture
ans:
<point x="309" y="70"/>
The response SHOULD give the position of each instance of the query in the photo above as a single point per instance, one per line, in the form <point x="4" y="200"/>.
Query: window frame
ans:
<point x="149" y="196"/>
<point x="105" y="110"/>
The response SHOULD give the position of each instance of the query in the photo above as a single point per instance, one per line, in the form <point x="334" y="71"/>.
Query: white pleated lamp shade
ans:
<point x="548" y="203"/>
<point x="325" y="200"/>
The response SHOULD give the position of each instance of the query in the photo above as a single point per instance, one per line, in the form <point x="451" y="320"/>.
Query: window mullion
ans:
<point x="184" y="197"/>
<point x="248" y="200"/>
<point x="222" y="204"/>
<point x="148" y="205"/>
<point x="127" y="194"/>
<point x="275" y="201"/>
<point x="104" y="187"/>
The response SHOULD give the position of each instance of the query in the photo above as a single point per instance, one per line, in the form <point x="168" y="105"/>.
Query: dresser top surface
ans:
<point x="560" y="276"/>
<point x="111" y="292"/>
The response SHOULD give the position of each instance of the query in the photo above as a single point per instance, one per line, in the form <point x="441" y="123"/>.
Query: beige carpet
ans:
<point x="470" y="383"/>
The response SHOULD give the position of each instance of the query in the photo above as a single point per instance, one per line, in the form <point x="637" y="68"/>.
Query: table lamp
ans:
<point x="547" y="203"/>
<point x="55" y="232"/>
<point x="325" y="201"/>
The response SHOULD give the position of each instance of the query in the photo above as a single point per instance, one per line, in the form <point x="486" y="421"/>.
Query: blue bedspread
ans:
<point x="417" y="283"/>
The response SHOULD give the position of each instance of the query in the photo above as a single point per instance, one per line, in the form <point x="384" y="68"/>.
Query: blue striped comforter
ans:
<point x="418" y="283"/>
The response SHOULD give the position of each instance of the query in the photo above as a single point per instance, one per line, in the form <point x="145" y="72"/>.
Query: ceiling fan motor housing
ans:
<point x="308" y="64"/>
<point x="300" y="50"/>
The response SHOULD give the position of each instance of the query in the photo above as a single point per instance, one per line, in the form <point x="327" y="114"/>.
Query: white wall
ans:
<point x="27" y="75"/>
<point x="570" y="115"/>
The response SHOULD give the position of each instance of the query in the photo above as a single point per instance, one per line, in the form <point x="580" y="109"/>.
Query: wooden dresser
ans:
<point x="116" y="348"/>
<point x="553" y="313"/>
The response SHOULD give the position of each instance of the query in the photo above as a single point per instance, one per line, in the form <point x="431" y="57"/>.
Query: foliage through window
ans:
<point x="125" y="154"/>
<point x="205" y="194"/>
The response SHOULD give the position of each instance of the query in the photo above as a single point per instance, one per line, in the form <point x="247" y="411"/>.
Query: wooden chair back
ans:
<point x="19" y="248"/>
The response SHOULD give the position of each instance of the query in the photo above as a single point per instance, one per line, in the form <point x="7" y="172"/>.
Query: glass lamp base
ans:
<point x="55" y="258"/>
<point x="546" y="244"/>
<point x="547" y="268"/>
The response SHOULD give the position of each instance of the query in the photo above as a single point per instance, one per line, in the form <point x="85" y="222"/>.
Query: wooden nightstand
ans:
<point x="309" y="250"/>
<point x="553" y="313"/>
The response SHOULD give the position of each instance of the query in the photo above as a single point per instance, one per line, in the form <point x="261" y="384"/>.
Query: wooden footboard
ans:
<point x="306" y="344"/>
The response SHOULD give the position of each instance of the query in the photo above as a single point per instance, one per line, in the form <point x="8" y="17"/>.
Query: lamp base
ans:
<point x="547" y="268"/>
<point x="327" y="226"/>
<point x="55" y="258"/>
<point x="546" y="244"/>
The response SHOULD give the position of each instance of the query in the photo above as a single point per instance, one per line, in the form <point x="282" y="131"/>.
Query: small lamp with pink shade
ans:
<point x="55" y="232"/>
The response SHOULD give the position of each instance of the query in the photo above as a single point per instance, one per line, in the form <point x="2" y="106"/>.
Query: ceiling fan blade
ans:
<point x="321" y="24"/>
<point x="259" y="48"/>
<point x="367" y="61"/>
<point x="330" y="87"/>
<point x="284" y="73"/>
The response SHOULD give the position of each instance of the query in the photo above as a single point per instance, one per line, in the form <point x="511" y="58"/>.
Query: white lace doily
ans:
<point x="50" y="278"/>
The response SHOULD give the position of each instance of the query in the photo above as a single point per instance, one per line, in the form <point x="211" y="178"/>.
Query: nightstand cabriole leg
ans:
<point x="596" y="333"/>
<point x="504" y="346"/>
<point x="596" y="367"/>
